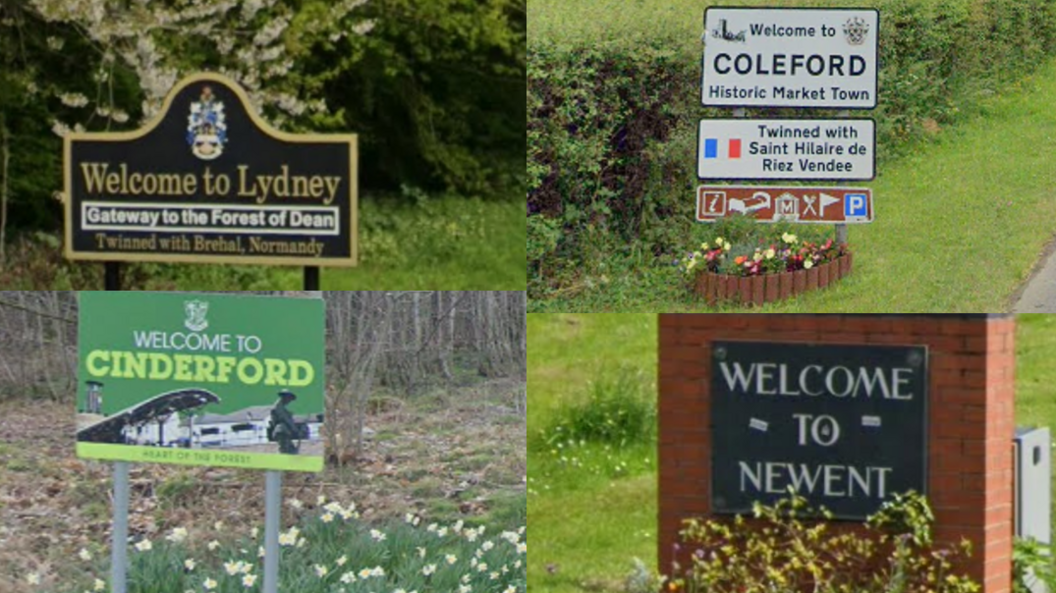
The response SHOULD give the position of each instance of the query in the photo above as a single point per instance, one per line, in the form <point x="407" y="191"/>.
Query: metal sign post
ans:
<point x="272" y="520"/>
<point x="119" y="539"/>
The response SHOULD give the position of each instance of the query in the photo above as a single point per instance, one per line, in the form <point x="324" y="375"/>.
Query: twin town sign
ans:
<point x="790" y="58"/>
<point x="843" y="426"/>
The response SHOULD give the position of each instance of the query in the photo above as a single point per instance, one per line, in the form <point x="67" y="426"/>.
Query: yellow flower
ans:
<point x="320" y="570"/>
<point x="451" y="559"/>
<point x="144" y="546"/>
<point x="249" y="580"/>
<point x="704" y="246"/>
<point x="327" y="518"/>
<point x="808" y="264"/>
<point x="189" y="564"/>
<point x="788" y="238"/>
<point x="209" y="584"/>
<point x="85" y="555"/>
<point x="33" y="578"/>
<point x="758" y="256"/>
<point x="341" y="561"/>
<point x="770" y="253"/>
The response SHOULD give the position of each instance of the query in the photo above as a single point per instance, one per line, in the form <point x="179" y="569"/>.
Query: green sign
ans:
<point x="201" y="379"/>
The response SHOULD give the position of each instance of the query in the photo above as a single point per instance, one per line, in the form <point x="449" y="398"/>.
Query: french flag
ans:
<point x="733" y="148"/>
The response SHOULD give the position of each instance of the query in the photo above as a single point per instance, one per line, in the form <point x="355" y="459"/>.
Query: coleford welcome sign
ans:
<point x="209" y="181"/>
<point x="201" y="379"/>
<point x="790" y="57"/>
<point x="842" y="426"/>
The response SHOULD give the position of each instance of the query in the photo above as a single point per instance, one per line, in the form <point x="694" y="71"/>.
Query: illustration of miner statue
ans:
<point x="282" y="429"/>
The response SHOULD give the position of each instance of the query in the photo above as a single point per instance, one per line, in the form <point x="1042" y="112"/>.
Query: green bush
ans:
<point x="792" y="547"/>
<point x="612" y="122"/>
<point x="619" y="410"/>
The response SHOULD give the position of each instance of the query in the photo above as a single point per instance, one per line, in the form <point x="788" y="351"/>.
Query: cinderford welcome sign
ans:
<point x="201" y="379"/>
<point x="843" y="426"/>
<point x="210" y="182"/>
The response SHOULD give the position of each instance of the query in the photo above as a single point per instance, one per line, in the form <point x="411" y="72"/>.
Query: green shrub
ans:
<point x="792" y="547"/>
<point x="619" y="410"/>
<point x="612" y="113"/>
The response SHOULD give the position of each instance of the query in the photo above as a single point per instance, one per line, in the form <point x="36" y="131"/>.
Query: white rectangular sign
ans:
<point x="790" y="57"/>
<point x="834" y="149"/>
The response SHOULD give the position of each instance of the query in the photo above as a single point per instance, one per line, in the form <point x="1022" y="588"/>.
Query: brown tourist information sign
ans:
<point x="209" y="181"/>
<point x="793" y="204"/>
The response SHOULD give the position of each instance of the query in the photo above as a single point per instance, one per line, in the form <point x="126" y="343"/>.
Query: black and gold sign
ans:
<point x="209" y="181"/>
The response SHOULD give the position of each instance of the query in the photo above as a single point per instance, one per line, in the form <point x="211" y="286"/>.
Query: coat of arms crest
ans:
<point x="207" y="126"/>
<point x="196" y="311"/>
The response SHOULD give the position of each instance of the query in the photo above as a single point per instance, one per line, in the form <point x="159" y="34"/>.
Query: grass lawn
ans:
<point x="588" y="524"/>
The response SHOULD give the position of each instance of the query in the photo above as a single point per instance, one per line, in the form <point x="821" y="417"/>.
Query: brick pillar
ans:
<point x="970" y="417"/>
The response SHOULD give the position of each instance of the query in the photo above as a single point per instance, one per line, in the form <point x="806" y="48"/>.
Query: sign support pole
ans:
<point x="311" y="278"/>
<point x="273" y="512"/>
<point x="119" y="537"/>
<point x="112" y="271"/>
<point x="841" y="229"/>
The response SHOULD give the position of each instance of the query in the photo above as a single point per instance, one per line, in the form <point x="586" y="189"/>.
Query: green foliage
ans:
<point x="612" y="98"/>
<point x="793" y="547"/>
<point x="1032" y="564"/>
<point x="436" y="88"/>
<point x="619" y="410"/>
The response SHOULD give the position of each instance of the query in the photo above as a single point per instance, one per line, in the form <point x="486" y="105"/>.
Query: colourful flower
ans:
<point x="249" y="580"/>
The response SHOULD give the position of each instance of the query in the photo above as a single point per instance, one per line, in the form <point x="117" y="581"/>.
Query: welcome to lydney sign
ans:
<point x="209" y="181"/>
<point x="843" y="426"/>
<point x="201" y="379"/>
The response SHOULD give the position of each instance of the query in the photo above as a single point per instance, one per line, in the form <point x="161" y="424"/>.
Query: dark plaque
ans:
<point x="844" y="426"/>
<point x="209" y="181"/>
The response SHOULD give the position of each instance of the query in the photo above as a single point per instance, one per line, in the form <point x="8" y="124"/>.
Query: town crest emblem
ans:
<point x="207" y="126"/>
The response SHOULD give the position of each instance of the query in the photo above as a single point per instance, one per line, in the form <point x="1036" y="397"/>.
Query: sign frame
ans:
<point x="738" y="103"/>
<point x="351" y="140"/>
<point x="793" y="177"/>
<point x="925" y="413"/>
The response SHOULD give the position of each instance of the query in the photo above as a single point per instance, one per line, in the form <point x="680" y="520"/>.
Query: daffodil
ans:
<point x="209" y="584"/>
<point x="377" y="535"/>
<point x="213" y="545"/>
<point x="33" y="578"/>
<point x="249" y="580"/>
<point x="451" y="559"/>
<point x="348" y="578"/>
<point x="85" y="555"/>
<point x="177" y="535"/>
<point x="326" y="518"/>
<point x="341" y="561"/>
<point x="189" y="564"/>
<point x="429" y="569"/>
<point x="144" y="546"/>
<point x="99" y="585"/>
<point x="320" y="570"/>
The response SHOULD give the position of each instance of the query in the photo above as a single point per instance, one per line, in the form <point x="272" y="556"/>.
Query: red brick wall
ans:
<point x="970" y="424"/>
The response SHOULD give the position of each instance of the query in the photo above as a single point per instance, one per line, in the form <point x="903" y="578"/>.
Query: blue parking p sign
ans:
<point x="855" y="205"/>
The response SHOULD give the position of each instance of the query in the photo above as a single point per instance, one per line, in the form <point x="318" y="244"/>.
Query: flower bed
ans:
<point x="722" y="272"/>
